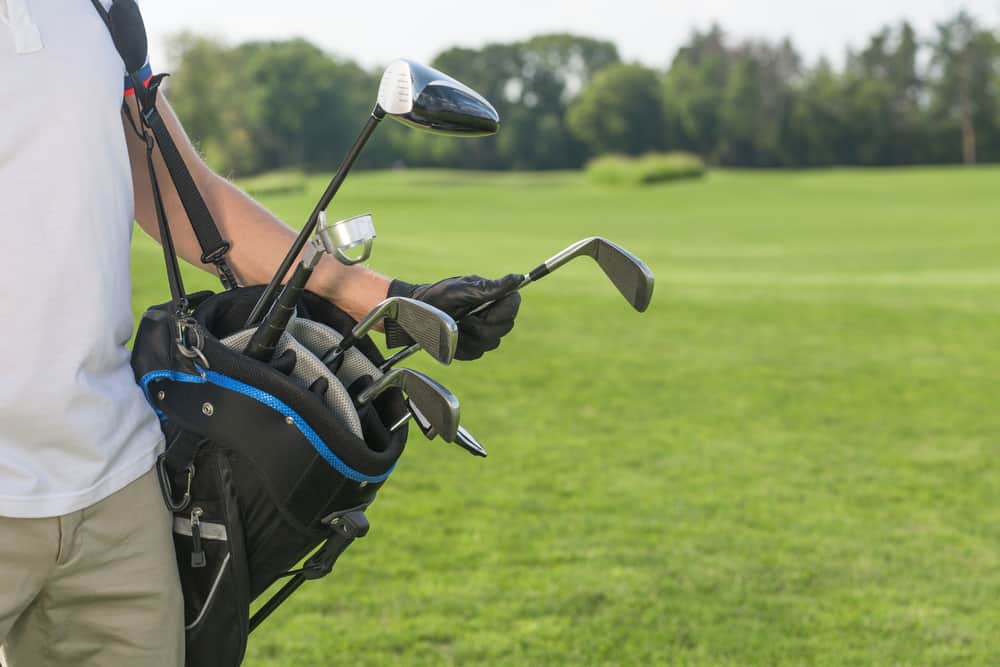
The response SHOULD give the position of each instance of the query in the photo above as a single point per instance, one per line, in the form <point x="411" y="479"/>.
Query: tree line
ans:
<point x="902" y="99"/>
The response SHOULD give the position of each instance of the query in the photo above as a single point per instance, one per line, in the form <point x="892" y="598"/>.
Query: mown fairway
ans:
<point x="791" y="459"/>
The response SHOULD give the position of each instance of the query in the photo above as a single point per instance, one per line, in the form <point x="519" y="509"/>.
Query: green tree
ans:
<point x="818" y="125"/>
<point x="757" y="104"/>
<point x="208" y="91"/>
<point x="964" y="92"/>
<point x="531" y="83"/>
<point x="693" y="93"/>
<point x="882" y="91"/>
<point x="620" y="112"/>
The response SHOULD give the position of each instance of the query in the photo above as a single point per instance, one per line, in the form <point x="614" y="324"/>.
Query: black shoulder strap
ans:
<point x="129" y="35"/>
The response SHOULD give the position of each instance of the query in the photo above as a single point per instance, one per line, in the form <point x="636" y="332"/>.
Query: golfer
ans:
<point x="87" y="566"/>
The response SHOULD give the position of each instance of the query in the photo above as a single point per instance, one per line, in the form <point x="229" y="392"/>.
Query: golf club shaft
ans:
<point x="267" y="298"/>
<point x="265" y="338"/>
<point x="354" y="335"/>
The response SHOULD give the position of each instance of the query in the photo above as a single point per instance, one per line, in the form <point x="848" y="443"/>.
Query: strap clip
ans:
<point x="190" y="340"/>
<point x="167" y="489"/>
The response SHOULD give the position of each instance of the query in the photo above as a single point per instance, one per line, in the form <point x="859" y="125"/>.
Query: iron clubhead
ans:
<point x="433" y="329"/>
<point x="438" y="406"/>
<point x="628" y="273"/>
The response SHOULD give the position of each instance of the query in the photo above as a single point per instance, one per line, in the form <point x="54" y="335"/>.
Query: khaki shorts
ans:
<point x="97" y="587"/>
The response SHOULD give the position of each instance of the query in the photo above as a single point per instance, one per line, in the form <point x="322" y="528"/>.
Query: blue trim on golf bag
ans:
<point x="219" y="380"/>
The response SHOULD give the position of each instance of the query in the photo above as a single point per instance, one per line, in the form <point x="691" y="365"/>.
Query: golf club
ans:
<point x="434" y="329"/>
<point x="415" y="95"/>
<point x="335" y="240"/>
<point x="436" y="404"/>
<point x="628" y="273"/>
<point x="463" y="437"/>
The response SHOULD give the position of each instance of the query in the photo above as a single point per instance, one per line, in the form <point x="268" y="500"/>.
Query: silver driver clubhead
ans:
<point x="436" y="404"/>
<point x="424" y="98"/>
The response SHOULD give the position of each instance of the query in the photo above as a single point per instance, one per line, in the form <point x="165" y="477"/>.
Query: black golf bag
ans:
<point x="264" y="462"/>
<point x="258" y="470"/>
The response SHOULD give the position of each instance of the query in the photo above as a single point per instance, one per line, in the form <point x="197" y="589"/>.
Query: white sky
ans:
<point x="650" y="31"/>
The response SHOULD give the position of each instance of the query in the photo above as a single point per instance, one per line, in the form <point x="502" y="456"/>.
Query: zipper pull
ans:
<point x="198" y="554"/>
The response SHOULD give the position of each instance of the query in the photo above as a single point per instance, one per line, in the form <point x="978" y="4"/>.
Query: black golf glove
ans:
<point x="477" y="334"/>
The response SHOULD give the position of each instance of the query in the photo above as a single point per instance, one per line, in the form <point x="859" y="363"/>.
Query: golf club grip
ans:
<point x="537" y="273"/>
<point x="266" y="337"/>
<point x="413" y="349"/>
<point x="347" y="342"/>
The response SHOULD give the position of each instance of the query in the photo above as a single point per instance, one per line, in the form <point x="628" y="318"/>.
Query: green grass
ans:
<point x="790" y="459"/>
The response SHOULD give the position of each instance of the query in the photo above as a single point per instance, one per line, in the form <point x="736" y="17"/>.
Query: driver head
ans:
<point x="424" y="98"/>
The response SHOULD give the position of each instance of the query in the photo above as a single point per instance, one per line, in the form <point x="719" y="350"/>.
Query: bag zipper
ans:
<point x="198" y="553"/>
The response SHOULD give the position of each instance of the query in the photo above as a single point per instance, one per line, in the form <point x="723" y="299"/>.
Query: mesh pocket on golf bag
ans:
<point x="211" y="558"/>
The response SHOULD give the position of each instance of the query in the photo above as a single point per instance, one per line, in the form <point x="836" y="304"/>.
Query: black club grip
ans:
<point x="265" y="338"/>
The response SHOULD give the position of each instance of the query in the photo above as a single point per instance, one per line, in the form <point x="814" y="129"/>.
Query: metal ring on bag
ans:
<point x="184" y="329"/>
<point x="193" y="353"/>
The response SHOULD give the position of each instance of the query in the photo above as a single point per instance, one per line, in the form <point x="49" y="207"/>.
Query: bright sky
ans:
<point x="650" y="31"/>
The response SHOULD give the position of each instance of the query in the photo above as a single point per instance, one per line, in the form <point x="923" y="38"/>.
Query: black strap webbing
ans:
<point x="213" y="247"/>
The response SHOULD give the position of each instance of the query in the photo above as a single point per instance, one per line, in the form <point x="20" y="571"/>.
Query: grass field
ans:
<point x="791" y="459"/>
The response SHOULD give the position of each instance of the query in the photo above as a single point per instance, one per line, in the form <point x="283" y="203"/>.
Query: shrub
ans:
<point x="645" y="170"/>
<point x="286" y="181"/>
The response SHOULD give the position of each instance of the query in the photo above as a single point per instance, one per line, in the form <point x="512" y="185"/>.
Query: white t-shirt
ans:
<point x="74" y="427"/>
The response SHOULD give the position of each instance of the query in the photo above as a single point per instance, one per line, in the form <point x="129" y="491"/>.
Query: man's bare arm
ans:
<point x="259" y="239"/>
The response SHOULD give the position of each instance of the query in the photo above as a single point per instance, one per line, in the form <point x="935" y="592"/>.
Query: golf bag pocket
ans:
<point x="211" y="557"/>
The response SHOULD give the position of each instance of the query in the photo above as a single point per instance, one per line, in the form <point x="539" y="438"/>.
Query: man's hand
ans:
<point x="478" y="333"/>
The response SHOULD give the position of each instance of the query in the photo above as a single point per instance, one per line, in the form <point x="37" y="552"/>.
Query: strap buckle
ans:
<point x="218" y="258"/>
<point x="217" y="255"/>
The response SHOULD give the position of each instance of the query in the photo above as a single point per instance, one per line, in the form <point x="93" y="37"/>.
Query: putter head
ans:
<point x="424" y="98"/>
<point x="433" y="329"/>
<point x="437" y="406"/>
<point x="628" y="273"/>
<point x="345" y="235"/>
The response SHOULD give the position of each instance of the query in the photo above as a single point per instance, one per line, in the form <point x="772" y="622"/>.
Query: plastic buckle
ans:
<point x="216" y="255"/>
<point x="347" y="528"/>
